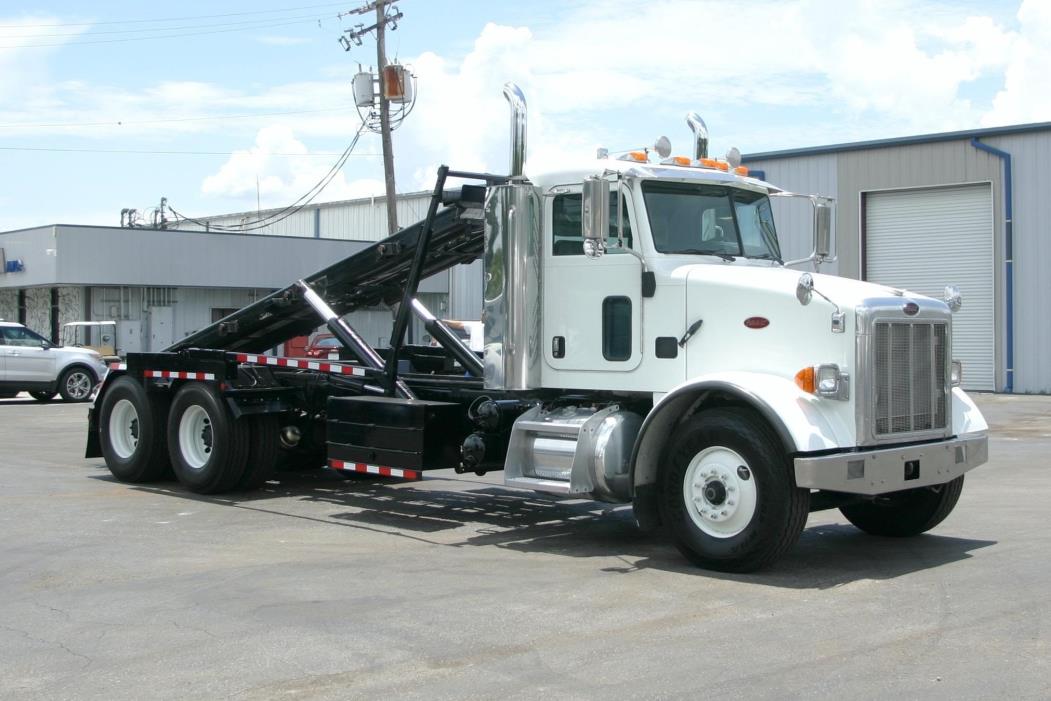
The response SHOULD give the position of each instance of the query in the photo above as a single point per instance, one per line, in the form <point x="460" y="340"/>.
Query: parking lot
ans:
<point x="455" y="587"/>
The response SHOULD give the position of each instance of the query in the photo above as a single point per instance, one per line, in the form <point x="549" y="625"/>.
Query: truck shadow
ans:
<point x="479" y="514"/>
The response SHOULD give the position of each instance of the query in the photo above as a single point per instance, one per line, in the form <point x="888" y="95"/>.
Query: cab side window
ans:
<point x="18" y="336"/>
<point x="568" y="238"/>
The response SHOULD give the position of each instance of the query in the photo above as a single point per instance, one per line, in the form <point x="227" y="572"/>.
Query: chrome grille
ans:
<point x="911" y="382"/>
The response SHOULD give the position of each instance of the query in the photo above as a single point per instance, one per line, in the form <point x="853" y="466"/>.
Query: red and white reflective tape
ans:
<point x="118" y="366"/>
<point x="300" y="364"/>
<point x="375" y="469"/>
<point x="179" y="375"/>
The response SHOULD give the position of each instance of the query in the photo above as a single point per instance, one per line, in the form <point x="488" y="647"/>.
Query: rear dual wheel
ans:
<point x="208" y="447"/>
<point x="131" y="431"/>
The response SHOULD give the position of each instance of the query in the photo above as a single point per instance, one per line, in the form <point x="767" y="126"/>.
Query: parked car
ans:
<point x="31" y="363"/>
<point x="324" y="345"/>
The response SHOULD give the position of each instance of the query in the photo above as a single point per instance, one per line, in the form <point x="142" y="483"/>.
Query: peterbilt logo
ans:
<point x="911" y="309"/>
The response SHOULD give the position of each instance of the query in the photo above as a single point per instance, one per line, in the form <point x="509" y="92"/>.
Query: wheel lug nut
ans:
<point x="723" y="513"/>
<point x="729" y="503"/>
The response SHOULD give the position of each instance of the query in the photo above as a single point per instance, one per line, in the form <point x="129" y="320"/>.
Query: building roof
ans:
<point x="898" y="141"/>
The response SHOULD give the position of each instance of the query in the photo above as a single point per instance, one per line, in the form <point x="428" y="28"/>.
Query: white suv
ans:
<point x="30" y="363"/>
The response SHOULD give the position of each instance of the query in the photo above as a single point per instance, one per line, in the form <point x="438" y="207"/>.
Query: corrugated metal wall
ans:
<point x="794" y="218"/>
<point x="353" y="220"/>
<point x="366" y="220"/>
<point x="1031" y="160"/>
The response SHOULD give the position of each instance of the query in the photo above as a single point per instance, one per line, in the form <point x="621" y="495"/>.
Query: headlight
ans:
<point x="956" y="373"/>
<point x="825" y="381"/>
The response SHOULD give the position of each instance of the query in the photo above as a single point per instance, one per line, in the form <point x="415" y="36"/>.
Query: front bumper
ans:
<point x="893" y="469"/>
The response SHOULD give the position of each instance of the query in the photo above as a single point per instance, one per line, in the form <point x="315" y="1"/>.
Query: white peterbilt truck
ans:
<point x="644" y="344"/>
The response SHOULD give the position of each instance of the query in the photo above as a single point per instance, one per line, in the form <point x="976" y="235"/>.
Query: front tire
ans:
<point x="907" y="513"/>
<point x="132" y="431"/>
<point x="728" y="495"/>
<point x="208" y="447"/>
<point x="75" y="384"/>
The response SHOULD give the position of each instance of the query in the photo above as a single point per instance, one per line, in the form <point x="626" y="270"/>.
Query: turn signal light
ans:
<point x="806" y="381"/>
<point x="827" y="381"/>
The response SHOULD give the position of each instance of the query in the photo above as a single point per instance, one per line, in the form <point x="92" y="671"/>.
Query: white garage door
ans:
<point x="923" y="240"/>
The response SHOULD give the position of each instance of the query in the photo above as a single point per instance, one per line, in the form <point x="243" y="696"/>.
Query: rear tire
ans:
<point x="76" y="383"/>
<point x="728" y="495"/>
<point x="908" y="513"/>
<point x="132" y="431"/>
<point x="208" y="448"/>
<point x="264" y="452"/>
<point x="42" y="396"/>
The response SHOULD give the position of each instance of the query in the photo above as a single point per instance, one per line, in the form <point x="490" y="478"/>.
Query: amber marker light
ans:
<point x="805" y="380"/>
<point x="741" y="170"/>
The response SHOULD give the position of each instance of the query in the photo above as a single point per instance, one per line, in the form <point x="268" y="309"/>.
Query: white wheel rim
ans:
<point x="195" y="436"/>
<point x="78" y="385"/>
<point x="124" y="429"/>
<point x="719" y="491"/>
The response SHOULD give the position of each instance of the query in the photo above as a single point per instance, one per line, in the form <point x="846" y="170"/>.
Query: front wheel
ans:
<point x="907" y="513"/>
<point x="727" y="492"/>
<point x="75" y="384"/>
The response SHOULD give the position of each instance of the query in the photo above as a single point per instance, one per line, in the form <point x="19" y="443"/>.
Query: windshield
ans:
<point x="710" y="219"/>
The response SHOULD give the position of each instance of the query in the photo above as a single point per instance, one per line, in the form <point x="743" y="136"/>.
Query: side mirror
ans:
<point x="804" y="288"/>
<point x="594" y="218"/>
<point x="953" y="298"/>
<point x="46" y="345"/>
<point x="822" y="230"/>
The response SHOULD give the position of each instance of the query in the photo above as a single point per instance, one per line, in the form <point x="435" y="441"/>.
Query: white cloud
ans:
<point x="1026" y="96"/>
<point x="281" y="179"/>
<point x="594" y="72"/>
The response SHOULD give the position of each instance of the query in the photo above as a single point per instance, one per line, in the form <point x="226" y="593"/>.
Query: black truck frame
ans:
<point x="391" y="412"/>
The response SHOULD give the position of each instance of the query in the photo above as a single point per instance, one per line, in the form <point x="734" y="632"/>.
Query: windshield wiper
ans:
<point x="699" y="252"/>
<point x="768" y="256"/>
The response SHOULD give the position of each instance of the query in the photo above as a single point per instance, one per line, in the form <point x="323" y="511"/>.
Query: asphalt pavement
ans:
<point x="319" y="587"/>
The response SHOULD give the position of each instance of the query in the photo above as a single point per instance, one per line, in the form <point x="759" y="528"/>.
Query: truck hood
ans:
<point x="845" y="292"/>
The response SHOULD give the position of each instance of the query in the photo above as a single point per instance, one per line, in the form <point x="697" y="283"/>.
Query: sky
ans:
<point x="220" y="106"/>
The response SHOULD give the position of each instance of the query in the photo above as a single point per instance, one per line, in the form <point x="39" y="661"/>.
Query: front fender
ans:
<point x="799" y="418"/>
<point x="802" y="421"/>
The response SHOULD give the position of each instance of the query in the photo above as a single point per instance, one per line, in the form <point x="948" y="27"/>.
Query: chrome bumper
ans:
<point x="893" y="469"/>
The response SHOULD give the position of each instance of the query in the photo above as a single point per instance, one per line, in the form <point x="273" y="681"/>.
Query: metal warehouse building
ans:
<point x="970" y="208"/>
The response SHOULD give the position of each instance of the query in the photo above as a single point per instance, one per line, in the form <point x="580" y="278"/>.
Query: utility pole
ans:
<point x="388" y="147"/>
<point x="382" y="19"/>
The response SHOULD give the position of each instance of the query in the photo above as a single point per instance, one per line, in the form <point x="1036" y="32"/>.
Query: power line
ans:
<point x="120" y="123"/>
<point x="173" y="153"/>
<point x="247" y="24"/>
<point x="171" y="19"/>
<point x="291" y="209"/>
<point x="153" y="36"/>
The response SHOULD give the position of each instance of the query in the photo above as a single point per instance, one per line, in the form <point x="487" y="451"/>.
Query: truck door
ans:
<point x="591" y="305"/>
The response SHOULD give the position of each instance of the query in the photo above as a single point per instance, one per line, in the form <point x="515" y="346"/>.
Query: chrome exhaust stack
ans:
<point x="700" y="134"/>
<point x="516" y="99"/>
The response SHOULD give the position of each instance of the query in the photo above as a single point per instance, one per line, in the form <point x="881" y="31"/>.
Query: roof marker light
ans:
<point x="741" y="170"/>
<point x="677" y="161"/>
<point x="637" y="156"/>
